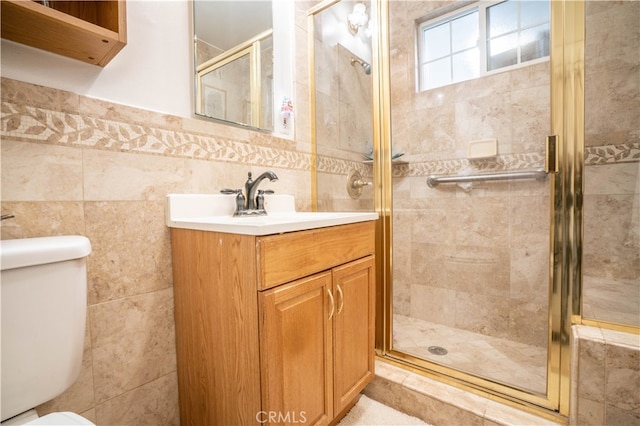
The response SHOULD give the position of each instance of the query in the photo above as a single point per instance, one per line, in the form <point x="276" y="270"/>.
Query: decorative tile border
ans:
<point x="598" y="155"/>
<point x="39" y="125"/>
<point x="449" y="167"/>
<point x="610" y="154"/>
<point x="31" y="124"/>
<point x="341" y="166"/>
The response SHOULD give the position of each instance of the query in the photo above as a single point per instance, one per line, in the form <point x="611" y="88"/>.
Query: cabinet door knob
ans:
<point x="333" y="305"/>
<point x="341" y="300"/>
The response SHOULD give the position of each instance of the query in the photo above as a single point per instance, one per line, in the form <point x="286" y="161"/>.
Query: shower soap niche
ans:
<point x="483" y="148"/>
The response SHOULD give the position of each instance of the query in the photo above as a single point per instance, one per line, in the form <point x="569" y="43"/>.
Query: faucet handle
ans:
<point x="260" y="198"/>
<point x="229" y="191"/>
<point x="239" y="199"/>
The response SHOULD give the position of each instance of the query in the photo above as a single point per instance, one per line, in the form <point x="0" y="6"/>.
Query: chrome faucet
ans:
<point x="251" y="186"/>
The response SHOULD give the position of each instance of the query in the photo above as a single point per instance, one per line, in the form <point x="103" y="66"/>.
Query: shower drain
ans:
<point x="438" y="350"/>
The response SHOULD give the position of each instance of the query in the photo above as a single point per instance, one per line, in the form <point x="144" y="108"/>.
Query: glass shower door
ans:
<point x="611" y="275"/>
<point x="470" y="263"/>
<point x="341" y="89"/>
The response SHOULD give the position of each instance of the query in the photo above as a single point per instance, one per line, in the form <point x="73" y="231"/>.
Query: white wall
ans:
<point x="153" y="71"/>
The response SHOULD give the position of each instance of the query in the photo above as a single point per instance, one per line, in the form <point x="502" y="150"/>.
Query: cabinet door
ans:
<point x="295" y="352"/>
<point x="353" y="329"/>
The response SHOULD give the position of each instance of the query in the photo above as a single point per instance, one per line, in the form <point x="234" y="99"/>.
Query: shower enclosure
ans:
<point x="470" y="274"/>
<point x="470" y="103"/>
<point x="480" y="237"/>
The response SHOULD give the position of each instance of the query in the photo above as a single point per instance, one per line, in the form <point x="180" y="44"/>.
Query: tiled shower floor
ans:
<point x="502" y="360"/>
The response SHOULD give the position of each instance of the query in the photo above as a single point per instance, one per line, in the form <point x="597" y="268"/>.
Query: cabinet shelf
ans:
<point x="89" y="31"/>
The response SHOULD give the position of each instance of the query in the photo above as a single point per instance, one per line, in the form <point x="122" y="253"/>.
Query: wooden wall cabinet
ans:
<point x="277" y="329"/>
<point x="92" y="31"/>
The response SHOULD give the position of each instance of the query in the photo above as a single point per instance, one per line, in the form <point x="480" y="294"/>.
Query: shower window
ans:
<point x="517" y="32"/>
<point x="450" y="51"/>
<point x="478" y="40"/>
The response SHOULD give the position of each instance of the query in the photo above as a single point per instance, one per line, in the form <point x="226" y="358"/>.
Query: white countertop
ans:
<point x="213" y="212"/>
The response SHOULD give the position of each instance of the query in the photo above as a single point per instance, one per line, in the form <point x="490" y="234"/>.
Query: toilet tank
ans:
<point x="44" y="304"/>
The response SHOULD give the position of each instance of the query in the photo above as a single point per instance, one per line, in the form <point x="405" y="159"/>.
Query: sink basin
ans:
<point x="214" y="212"/>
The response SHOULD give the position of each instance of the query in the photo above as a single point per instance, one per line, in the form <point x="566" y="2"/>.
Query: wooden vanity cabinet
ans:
<point x="296" y="353"/>
<point x="317" y="342"/>
<point x="92" y="31"/>
<point x="354" y="331"/>
<point x="275" y="329"/>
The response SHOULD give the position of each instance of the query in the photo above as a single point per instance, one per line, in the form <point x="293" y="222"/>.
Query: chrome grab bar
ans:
<point x="539" y="174"/>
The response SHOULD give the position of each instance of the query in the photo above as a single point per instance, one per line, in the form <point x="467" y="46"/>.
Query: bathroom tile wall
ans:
<point x="606" y="364"/>
<point x="612" y="172"/>
<point x="475" y="260"/>
<point x="605" y="377"/>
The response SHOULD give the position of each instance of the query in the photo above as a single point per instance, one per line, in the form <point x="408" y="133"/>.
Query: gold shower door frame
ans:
<point x="565" y="216"/>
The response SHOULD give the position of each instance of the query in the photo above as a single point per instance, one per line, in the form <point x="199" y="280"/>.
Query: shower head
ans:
<point x="365" y="65"/>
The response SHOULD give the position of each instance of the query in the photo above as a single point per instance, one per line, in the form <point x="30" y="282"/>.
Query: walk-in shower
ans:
<point x="481" y="275"/>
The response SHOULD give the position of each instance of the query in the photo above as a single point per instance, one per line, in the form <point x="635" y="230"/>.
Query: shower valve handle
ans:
<point x="359" y="183"/>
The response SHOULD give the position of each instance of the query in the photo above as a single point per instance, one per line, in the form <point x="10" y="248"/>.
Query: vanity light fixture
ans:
<point x="358" y="18"/>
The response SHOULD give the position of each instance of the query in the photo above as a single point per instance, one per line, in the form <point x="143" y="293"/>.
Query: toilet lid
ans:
<point x="63" y="418"/>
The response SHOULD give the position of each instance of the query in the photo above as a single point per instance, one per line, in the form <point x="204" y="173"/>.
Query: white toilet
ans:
<point x="44" y="305"/>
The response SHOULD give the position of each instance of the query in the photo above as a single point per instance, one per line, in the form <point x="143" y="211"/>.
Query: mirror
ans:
<point x="239" y="73"/>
